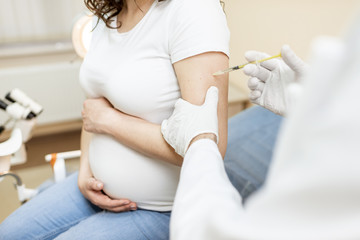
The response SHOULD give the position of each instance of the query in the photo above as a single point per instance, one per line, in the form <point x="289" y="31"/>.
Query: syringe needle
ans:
<point x="243" y="65"/>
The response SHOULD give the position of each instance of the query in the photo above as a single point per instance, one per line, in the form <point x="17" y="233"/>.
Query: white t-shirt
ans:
<point x="134" y="71"/>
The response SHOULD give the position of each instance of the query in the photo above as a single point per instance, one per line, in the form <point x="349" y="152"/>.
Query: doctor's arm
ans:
<point x="194" y="76"/>
<point x="217" y="211"/>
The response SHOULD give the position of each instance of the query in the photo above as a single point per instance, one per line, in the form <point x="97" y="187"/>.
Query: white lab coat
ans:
<point x="313" y="186"/>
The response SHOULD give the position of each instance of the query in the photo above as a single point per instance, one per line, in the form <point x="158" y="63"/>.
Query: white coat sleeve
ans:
<point x="206" y="206"/>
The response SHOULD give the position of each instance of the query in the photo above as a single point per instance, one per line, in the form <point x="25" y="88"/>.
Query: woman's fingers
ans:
<point x="115" y="205"/>
<point x="100" y="199"/>
<point x="94" y="184"/>
<point x="124" y="208"/>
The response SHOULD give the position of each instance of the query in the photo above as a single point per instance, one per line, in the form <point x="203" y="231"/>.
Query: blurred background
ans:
<point x="38" y="57"/>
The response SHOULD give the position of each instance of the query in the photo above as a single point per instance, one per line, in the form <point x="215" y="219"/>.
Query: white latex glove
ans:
<point x="275" y="84"/>
<point x="188" y="121"/>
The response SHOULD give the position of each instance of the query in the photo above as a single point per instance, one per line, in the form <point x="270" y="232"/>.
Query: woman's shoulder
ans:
<point x="197" y="26"/>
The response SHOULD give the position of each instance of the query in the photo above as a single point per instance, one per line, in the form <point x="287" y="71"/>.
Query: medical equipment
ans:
<point x="57" y="162"/>
<point x="16" y="95"/>
<point x="13" y="151"/>
<point x="16" y="111"/>
<point x="2" y="127"/>
<point x="243" y="65"/>
<point x="7" y="151"/>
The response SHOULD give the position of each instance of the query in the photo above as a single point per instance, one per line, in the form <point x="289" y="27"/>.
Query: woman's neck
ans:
<point x="132" y="13"/>
<point x="133" y="6"/>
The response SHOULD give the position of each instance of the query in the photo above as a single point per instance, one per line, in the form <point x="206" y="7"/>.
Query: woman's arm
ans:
<point x="195" y="76"/>
<point x="99" y="116"/>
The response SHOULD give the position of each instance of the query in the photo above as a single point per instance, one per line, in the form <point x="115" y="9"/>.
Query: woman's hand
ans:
<point x="92" y="190"/>
<point x="96" y="114"/>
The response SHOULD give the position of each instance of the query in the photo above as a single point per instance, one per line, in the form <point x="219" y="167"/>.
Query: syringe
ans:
<point x="243" y="65"/>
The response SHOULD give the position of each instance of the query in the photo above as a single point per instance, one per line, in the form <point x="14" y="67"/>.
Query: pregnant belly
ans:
<point x="150" y="183"/>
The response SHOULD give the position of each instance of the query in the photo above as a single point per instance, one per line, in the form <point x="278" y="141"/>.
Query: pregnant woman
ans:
<point x="144" y="55"/>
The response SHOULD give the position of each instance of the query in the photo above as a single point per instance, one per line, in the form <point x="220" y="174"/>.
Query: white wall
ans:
<point x="55" y="86"/>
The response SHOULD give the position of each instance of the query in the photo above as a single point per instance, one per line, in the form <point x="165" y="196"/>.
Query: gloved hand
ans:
<point x="275" y="84"/>
<point x="188" y="121"/>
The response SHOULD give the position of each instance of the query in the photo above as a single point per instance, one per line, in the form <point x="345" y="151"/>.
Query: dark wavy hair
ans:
<point x="107" y="9"/>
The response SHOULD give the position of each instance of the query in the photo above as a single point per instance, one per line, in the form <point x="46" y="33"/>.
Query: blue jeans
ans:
<point x="251" y="139"/>
<point x="61" y="212"/>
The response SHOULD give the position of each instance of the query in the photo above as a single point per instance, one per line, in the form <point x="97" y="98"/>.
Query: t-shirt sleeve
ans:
<point x="197" y="26"/>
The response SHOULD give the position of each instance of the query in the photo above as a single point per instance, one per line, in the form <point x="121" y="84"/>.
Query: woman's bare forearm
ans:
<point x="140" y="135"/>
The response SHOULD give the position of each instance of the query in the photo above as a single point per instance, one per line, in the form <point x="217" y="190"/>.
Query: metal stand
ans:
<point x="24" y="194"/>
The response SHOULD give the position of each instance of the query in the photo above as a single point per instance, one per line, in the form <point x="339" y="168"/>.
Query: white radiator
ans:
<point x="55" y="86"/>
